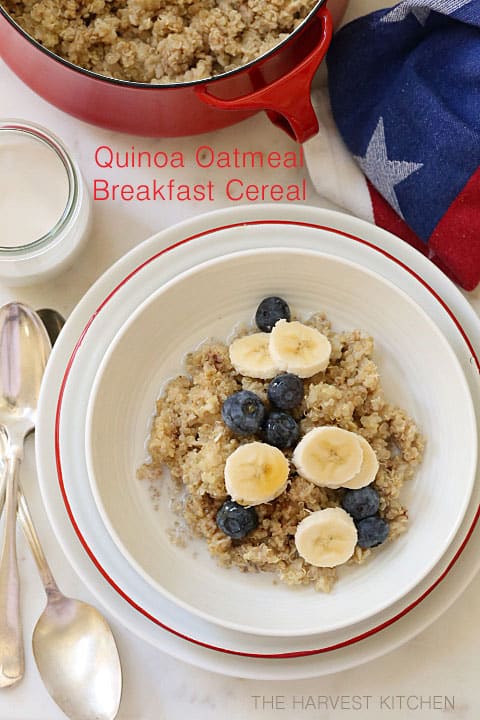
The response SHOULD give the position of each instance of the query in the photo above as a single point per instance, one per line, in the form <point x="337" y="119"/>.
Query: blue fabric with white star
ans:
<point x="405" y="92"/>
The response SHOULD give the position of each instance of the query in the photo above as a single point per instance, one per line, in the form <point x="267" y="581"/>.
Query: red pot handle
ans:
<point x="287" y="100"/>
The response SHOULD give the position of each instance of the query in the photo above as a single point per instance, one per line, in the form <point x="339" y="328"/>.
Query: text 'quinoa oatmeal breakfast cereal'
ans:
<point x="159" y="41"/>
<point x="286" y="455"/>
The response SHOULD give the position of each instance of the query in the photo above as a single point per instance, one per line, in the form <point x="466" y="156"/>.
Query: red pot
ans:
<point x="278" y="82"/>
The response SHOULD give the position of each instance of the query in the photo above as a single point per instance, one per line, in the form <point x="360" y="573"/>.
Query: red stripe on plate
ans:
<point x="91" y="555"/>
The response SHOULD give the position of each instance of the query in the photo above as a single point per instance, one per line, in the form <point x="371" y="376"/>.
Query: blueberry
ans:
<point x="235" y="520"/>
<point x="243" y="412"/>
<point x="372" y="531"/>
<point x="361" y="503"/>
<point x="271" y="310"/>
<point x="281" y="430"/>
<point x="286" y="391"/>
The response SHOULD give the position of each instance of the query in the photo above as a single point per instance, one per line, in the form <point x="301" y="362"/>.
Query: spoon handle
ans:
<point x="31" y="534"/>
<point x="11" y="640"/>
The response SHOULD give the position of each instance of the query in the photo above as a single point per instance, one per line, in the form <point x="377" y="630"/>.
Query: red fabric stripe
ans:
<point x="456" y="239"/>
<point x="454" y="245"/>
<point x="386" y="218"/>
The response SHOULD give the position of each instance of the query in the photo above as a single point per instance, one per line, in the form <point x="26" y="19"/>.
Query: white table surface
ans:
<point x="441" y="661"/>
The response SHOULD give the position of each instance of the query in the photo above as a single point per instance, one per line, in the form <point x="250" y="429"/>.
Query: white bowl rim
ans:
<point x="228" y="256"/>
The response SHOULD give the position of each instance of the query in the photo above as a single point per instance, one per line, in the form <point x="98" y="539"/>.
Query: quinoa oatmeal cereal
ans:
<point x="191" y="435"/>
<point x="159" y="41"/>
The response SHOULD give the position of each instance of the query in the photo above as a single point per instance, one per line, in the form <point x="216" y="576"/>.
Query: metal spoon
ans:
<point x="53" y="322"/>
<point x="73" y="645"/>
<point x="24" y="350"/>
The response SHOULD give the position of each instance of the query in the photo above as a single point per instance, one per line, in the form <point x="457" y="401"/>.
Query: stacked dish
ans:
<point x="129" y="335"/>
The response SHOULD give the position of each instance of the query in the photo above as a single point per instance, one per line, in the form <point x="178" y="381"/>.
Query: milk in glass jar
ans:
<point x="44" y="205"/>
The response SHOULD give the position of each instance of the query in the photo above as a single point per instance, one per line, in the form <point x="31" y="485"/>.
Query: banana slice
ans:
<point x="256" y="473"/>
<point x="299" y="349"/>
<point x="368" y="468"/>
<point x="328" y="456"/>
<point x="326" y="538"/>
<point x="250" y="356"/>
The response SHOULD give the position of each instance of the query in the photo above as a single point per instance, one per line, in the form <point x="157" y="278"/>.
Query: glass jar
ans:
<point x="44" y="204"/>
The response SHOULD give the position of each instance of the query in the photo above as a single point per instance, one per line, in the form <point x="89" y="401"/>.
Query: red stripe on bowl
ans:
<point x="299" y="653"/>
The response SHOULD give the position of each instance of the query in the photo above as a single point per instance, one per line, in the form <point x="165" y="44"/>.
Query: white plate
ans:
<point x="354" y="240"/>
<point x="413" y="359"/>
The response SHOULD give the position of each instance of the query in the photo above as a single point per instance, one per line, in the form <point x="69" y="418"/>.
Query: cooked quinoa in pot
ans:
<point x="190" y="438"/>
<point x="159" y="41"/>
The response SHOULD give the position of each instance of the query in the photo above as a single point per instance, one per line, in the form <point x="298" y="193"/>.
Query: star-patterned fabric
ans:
<point x="404" y="87"/>
<point x="421" y="9"/>
<point x="383" y="171"/>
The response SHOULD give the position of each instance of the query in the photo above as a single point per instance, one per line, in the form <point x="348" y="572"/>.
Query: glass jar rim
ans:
<point x="40" y="134"/>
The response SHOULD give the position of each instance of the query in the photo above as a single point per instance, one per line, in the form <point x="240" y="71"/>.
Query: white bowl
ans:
<point x="419" y="371"/>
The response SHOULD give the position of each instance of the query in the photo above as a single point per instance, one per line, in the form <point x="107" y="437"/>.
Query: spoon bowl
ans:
<point x="24" y="351"/>
<point x="53" y="322"/>
<point x="77" y="659"/>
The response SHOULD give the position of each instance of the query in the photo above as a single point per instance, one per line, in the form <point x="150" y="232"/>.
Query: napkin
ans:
<point x="399" y="140"/>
